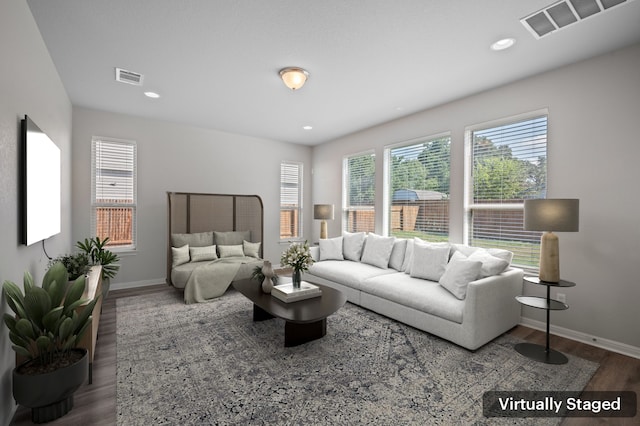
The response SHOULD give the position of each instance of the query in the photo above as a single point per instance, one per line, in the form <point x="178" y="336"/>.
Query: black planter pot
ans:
<point x="50" y="395"/>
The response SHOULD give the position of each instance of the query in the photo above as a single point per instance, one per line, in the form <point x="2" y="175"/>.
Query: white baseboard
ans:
<point x="610" y="345"/>
<point x="134" y="284"/>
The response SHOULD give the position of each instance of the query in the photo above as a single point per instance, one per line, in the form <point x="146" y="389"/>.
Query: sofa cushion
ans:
<point x="331" y="249"/>
<point x="231" y="238"/>
<point x="347" y="272"/>
<point x="231" y="250"/>
<point x="429" y="260"/>
<point x="408" y="256"/>
<point x="422" y="295"/>
<point x="397" y="254"/>
<point x="491" y="265"/>
<point x="251" y="249"/>
<point x="352" y="244"/>
<point x="197" y="239"/>
<point x="179" y="255"/>
<point x="377" y="250"/>
<point x="459" y="272"/>
<point x="200" y="254"/>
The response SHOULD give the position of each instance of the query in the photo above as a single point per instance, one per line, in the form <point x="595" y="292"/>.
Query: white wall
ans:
<point x="593" y="151"/>
<point x="29" y="84"/>
<point x="173" y="157"/>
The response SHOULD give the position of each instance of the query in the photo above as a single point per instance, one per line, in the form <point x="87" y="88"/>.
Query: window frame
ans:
<point x="300" y="207"/>
<point x="469" y="206"/>
<point x="133" y="205"/>
<point x="387" y="176"/>
<point x="345" y="188"/>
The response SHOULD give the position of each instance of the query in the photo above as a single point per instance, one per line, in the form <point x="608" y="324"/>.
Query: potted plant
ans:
<point x="76" y="264"/>
<point x="45" y="331"/>
<point x="97" y="254"/>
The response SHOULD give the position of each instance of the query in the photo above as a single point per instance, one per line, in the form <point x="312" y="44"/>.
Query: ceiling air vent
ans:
<point x="564" y="13"/>
<point x="129" y="77"/>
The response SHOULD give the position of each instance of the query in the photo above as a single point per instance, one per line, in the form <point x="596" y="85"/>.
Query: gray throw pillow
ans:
<point x="200" y="254"/>
<point x="352" y="243"/>
<point x="196" y="239"/>
<point x="251" y="249"/>
<point x="179" y="255"/>
<point x="231" y="238"/>
<point x="231" y="251"/>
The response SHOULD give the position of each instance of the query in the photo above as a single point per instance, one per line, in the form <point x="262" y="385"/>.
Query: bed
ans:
<point x="214" y="239"/>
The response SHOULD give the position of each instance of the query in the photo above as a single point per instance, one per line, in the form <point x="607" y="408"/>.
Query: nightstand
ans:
<point x="538" y="352"/>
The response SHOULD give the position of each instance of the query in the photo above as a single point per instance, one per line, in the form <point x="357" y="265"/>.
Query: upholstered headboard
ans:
<point x="193" y="212"/>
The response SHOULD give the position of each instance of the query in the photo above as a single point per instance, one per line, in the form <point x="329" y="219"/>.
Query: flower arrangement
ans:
<point x="297" y="256"/>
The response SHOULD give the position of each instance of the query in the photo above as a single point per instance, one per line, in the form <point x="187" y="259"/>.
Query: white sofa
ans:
<point x="391" y="281"/>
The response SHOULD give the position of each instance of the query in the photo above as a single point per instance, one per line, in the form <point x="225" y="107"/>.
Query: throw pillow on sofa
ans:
<point x="429" y="260"/>
<point x="491" y="265"/>
<point x="179" y="255"/>
<point x="408" y="256"/>
<point x="460" y="271"/>
<point x="397" y="254"/>
<point x="377" y="250"/>
<point x="251" y="249"/>
<point x="231" y="251"/>
<point x="331" y="249"/>
<point x="200" y="254"/>
<point x="352" y="243"/>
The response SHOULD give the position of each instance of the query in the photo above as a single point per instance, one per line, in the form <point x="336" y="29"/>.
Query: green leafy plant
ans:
<point x="46" y="325"/>
<point x="95" y="249"/>
<point x="257" y="275"/>
<point x="77" y="264"/>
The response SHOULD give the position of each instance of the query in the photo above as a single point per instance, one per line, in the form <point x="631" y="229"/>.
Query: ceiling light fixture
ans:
<point x="294" y="77"/>
<point x="307" y="127"/>
<point x="153" y="95"/>
<point x="503" y="44"/>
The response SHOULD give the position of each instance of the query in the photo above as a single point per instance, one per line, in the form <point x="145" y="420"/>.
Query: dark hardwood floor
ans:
<point x="95" y="404"/>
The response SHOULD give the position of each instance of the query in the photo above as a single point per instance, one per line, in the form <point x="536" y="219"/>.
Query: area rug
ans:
<point x="210" y="363"/>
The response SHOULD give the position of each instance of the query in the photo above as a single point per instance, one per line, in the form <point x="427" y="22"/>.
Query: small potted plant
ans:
<point x="297" y="257"/>
<point x="76" y="264"/>
<point x="45" y="330"/>
<point x="97" y="254"/>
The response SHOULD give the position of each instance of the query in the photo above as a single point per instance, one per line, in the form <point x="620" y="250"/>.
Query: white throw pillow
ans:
<point x="429" y="261"/>
<point x="352" y="243"/>
<point x="377" y="250"/>
<point x="491" y="265"/>
<point x="231" y="251"/>
<point x="460" y="271"/>
<point x="397" y="254"/>
<point x="200" y="254"/>
<point x="251" y="249"/>
<point x="408" y="257"/>
<point x="331" y="249"/>
<point x="179" y="255"/>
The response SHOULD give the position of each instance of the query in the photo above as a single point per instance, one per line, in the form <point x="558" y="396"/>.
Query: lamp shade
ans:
<point x="323" y="211"/>
<point x="559" y="214"/>
<point x="293" y="77"/>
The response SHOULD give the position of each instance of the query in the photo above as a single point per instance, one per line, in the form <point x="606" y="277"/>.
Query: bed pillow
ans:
<point x="429" y="261"/>
<point x="491" y="265"/>
<point x="251" y="249"/>
<point x="179" y="255"/>
<point x="231" y="238"/>
<point x="200" y="254"/>
<point x="352" y="243"/>
<point x="377" y="250"/>
<point x="460" y="271"/>
<point x="397" y="254"/>
<point x="331" y="249"/>
<point x="231" y="251"/>
<point x="197" y="239"/>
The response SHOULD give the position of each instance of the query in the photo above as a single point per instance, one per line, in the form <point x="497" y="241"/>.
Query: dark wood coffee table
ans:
<point x="306" y="320"/>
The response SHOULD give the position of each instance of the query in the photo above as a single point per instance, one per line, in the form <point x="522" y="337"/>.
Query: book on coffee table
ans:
<point x="287" y="293"/>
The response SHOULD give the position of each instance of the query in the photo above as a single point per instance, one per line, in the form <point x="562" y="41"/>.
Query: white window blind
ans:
<point x="290" y="200"/>
<point x="418" y="182"/>
<point x="508" y="164"/>
<point x="359" y="189"/>
<point x="114" y="191"/>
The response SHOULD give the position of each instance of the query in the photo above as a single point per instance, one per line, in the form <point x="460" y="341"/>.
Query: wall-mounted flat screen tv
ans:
<point x="40" y="184"/>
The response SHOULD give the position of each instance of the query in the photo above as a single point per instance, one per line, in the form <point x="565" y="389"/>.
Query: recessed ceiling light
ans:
<point x="153" y="95"/>
<point x="307" y="127"/>
<point x="505" y="43"/>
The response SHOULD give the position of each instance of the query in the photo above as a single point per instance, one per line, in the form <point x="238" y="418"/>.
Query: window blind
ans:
<point x="508" y="165"/>
<point x="359" y="193"/>
<point x="114" y="191"/>
<point x="290" y="200"/>
<point x="419" y="189"/>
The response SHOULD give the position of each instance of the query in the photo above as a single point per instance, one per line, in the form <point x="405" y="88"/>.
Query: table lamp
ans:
<point x="323" y="212"/>
<point x="561" y="215"/>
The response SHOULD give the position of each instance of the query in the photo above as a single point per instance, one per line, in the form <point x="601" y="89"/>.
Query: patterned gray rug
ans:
<point x="211" y="364"/>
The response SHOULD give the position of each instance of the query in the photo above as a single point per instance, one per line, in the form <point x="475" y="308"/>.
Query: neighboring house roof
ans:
<point x="417" y="195"/>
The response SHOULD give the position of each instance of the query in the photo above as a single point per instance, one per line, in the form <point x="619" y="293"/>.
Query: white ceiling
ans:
<point x="215" y="63"/>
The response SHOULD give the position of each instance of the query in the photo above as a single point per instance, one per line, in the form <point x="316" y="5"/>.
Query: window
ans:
<point x="507" y="163"/>
<point x="290" y="200"/>
<point x="418" y="189"/>
<point x="114" y="191"/>
<point x="359" y="190"/>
